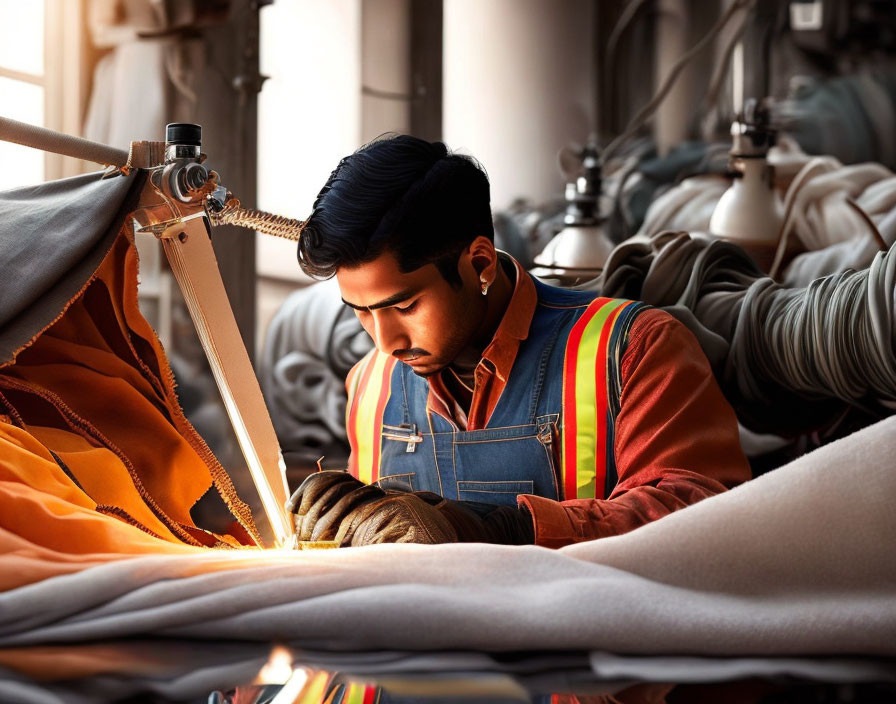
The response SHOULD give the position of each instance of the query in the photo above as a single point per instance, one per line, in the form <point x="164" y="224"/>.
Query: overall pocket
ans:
<point x="397" y="482"/>
<point x="493" y="492"/>
<point x="495" y="465"/>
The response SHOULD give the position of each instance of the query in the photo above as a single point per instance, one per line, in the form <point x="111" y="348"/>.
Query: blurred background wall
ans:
<point x="285" y="89"/>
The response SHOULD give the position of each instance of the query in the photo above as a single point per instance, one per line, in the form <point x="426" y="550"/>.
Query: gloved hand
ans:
<point x="333" y="505"/>
<point x="324" y="499"/>
<point x="424" y="517"/>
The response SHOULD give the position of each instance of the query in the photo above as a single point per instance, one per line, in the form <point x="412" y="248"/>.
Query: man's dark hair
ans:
<point x="402" y="195"/>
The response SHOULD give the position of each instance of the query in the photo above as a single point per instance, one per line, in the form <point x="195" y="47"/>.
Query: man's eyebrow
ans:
<point x="386" y="302"/>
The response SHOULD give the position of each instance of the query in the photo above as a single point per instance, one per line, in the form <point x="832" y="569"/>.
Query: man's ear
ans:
<point x="484" y="259"/>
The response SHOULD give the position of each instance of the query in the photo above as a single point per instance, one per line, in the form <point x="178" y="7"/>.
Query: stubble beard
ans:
<point x="459" y="338"/>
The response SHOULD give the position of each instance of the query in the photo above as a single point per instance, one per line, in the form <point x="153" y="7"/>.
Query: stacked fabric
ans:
<point x="782" y="566"/>
<point x="842" y="215"/>
<point x="312" y="343"/>
<point x="789" y="359"/>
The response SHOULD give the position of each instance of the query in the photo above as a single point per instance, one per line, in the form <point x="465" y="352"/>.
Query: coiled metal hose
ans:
<point x="267" y="223"/>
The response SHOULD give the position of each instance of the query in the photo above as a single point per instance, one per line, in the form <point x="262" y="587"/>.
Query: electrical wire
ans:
<point x="647" y="111"/>
<point x="810" y="169"/>
<point x="720" y="72"/>
<point x="626" y="17"/>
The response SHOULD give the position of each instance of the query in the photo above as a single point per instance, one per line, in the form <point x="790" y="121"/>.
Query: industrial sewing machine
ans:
<point x="180" y="202"/>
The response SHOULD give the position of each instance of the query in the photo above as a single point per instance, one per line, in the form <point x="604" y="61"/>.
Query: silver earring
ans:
<point x="485" y="288"/>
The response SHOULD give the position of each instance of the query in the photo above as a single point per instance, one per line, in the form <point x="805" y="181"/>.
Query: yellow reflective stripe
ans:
<point x="357" y="693"/>
<point x="584" y="442"/>
<point x="357" y="375"/>
<point x="372" y="386"/>
<point x="354" y="376"/>
<point x="587" y="365"/>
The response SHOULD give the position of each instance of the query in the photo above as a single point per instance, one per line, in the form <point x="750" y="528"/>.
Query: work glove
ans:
<point x="424" y="517"/>
<point x="333" y="505"/>
<point x="324" y="499"/>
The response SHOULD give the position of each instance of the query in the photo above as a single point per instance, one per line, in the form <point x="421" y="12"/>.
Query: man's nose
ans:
<point x="388" y="333"/>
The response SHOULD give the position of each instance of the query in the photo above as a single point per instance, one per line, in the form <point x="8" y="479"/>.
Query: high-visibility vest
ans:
<point x="580" y="391"/>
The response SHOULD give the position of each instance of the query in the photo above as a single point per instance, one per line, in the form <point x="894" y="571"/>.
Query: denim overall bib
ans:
<point x="515" y="453"/>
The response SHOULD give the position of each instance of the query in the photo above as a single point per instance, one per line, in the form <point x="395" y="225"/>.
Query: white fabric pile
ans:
<point x="841" y="214"/>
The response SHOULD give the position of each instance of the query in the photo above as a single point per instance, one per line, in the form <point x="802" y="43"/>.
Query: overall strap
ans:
<point x="369" y="386"/>
<point x="591" y="391"/>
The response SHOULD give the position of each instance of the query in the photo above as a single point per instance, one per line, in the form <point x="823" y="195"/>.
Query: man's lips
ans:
<point x="410" y="358"/>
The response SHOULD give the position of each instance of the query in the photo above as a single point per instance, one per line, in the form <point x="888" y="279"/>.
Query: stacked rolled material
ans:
<point x="788" y="359"/>
<point x="687" y="206"/>
<point x="841" y="215"/>
<point x="312" y="342"/>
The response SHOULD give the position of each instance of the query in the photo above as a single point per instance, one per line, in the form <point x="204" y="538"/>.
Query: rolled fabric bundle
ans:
<point x="772" y="348"/>
<point x="832" y="338"/>
<point x="855" y="253"/>
<point x="347" y="344"/>
<point x="309" y="391"/>
<point x="312" y="342"/>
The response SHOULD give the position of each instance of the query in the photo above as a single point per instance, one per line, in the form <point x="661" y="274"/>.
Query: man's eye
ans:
<point x="406" y="309"/>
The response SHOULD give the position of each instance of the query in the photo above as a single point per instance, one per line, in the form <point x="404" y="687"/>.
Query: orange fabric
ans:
<point x="676" y="440"/>
<point x="95" y="390"/>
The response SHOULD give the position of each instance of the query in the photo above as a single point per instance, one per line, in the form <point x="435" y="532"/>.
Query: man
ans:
<point x="495" y="408"/>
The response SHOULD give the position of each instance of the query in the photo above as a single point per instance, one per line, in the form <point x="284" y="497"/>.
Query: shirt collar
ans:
<point x="514" y="326"/>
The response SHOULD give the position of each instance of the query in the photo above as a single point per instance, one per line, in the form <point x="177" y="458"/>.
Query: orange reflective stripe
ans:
<point x="367" y="402"/>
<point x="360" y="372"/>
<point x="583" y="457"/>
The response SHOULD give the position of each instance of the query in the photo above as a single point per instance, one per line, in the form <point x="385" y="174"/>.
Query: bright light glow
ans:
<point x="278" y="669"/>
<point x="22" y="36"/>
<point x="22" y="166"/>
<point x="308" y="111"/>
<point x="518" y="86"/>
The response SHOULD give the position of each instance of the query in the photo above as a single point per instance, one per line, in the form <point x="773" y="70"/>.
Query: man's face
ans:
<point x="418" y="317"/>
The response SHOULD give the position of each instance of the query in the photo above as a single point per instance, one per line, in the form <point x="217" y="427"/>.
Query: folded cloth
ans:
<point x="96" y="455"/>
<point x="53" y="237"/>
<point x="312" y="342"/>
<point x="788" y="564"/>
<point x="786" y="358"/>
<point x="837" y="233"/>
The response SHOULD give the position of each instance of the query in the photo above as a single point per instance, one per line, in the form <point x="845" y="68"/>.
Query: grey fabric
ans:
<point x="312" y="342"/>
<point x="53" y="237"/>
<point x="772" y="348"/>
<point x="822" y="220"/>
<point x="795" y="563"/>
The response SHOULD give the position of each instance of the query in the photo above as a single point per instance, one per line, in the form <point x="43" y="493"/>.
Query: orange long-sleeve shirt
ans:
<point x="676" y="438"/>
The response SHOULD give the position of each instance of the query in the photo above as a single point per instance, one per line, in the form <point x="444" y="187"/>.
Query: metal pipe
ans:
<point x="59" y="143"/>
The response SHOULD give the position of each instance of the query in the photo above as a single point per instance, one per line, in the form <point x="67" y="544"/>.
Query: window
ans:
<point x="43" y="81"/>
<point x="22" y="86"/>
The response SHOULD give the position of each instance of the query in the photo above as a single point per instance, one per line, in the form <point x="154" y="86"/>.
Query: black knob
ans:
<point x="183" y="133"/>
